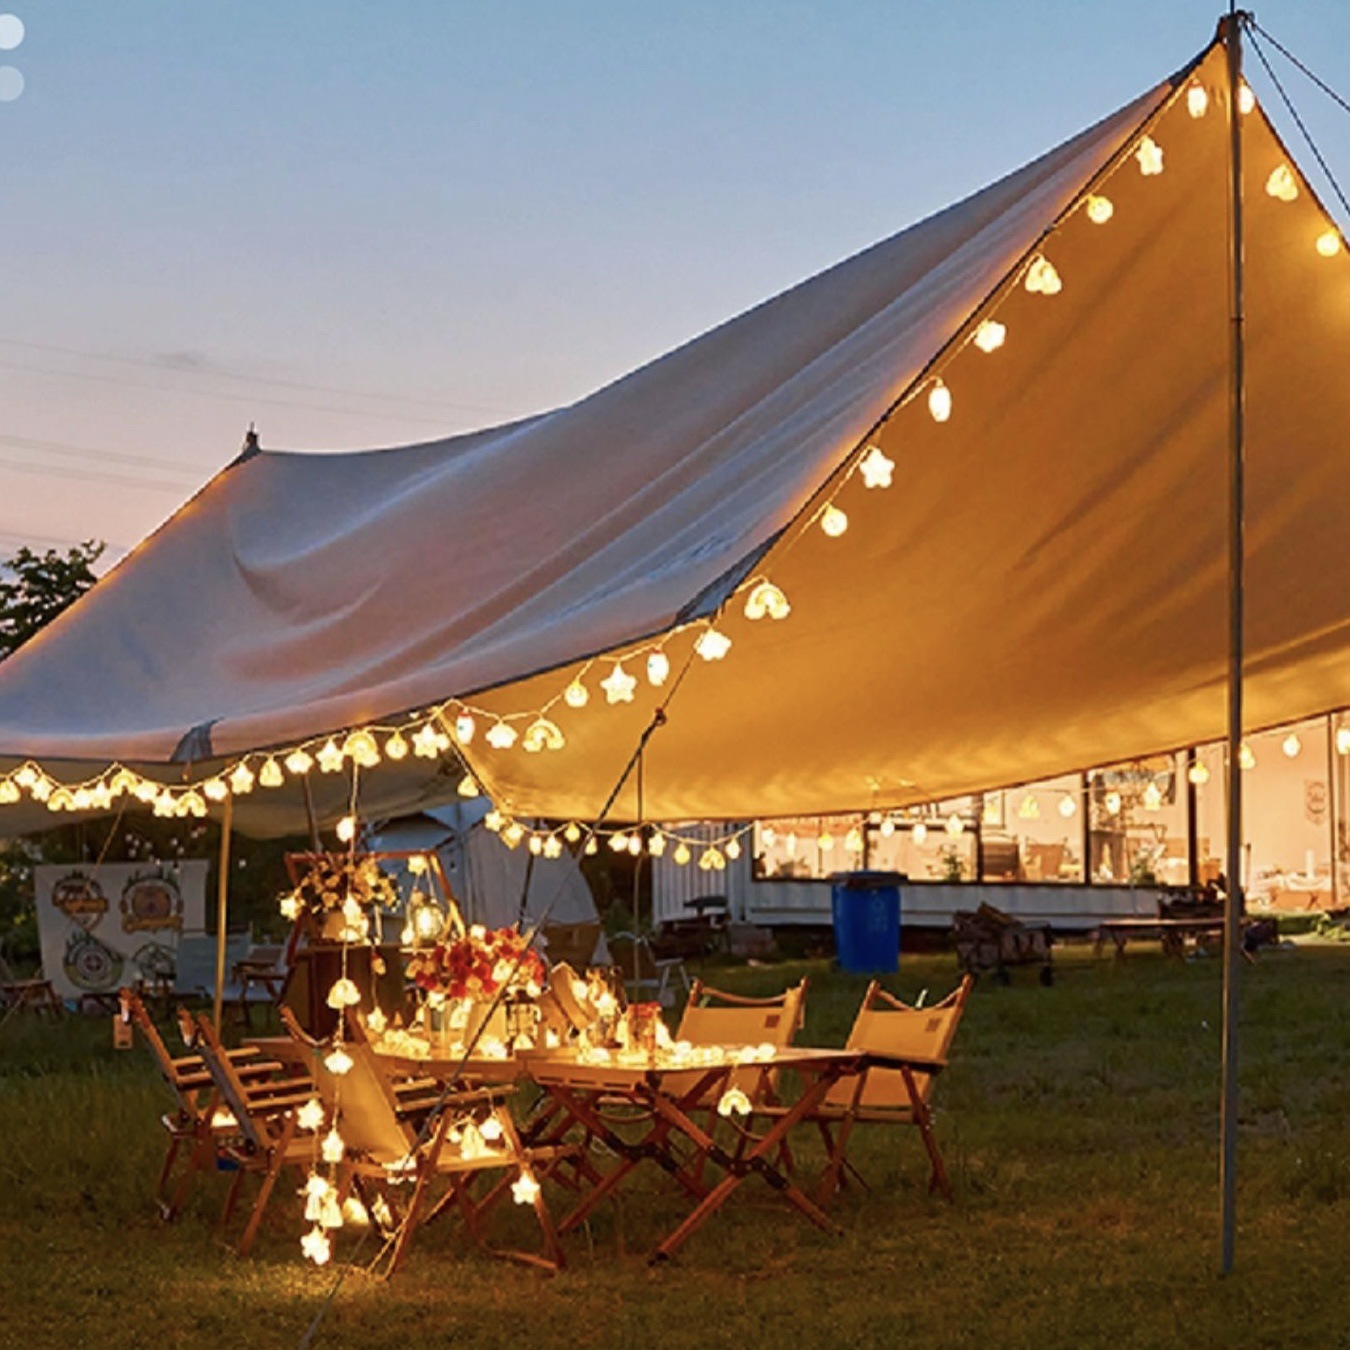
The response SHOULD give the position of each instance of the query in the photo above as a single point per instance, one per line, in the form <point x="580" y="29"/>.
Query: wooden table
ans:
<point x="660" y="1127"/>
<point x="1172" y="933"/>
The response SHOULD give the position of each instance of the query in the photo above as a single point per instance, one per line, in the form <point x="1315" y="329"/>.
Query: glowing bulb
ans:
<point x="1198" y="774"/>
<point x="464" y="728"/>
<point x="658" y="668"/>
<point x="316" y="1247"/>
<point x="426" y="743"/>
<point x="833" y="521"/>
<point x="1197" y="101"/>
<point x="1100" y="209"/>
<point x="289" y="905"/>
<point x="619" y="842"/>
<point x="1246" y="99"/>
<point x="656" y="845"/>
<point x="1343" y="740"/>
<point x="1281" y="184"/>
<point x="711" y="860"/>
<point x="362" y="748"/>
<point x="825" y="843"/>
<point x="1246" y="756"/>
<point x="330" y="757"/>
<point x="733" y="849"/>
<point x="310" y="1116"/>
<point x="1113" y="803"/>
<point x="270" y="775"/>
<point x="525" y="1189"/>
<point x="1068" y="807"/>
<point x="1030" y="808"/>
<point x="513" y="834"/>
<point x="241" y="779"/>
<point x="767" y="599"/>
<point x="635" y="843"/>
<point x="343" y="994"/>
<point x="853" y="841"/>
<point x="576" y="695"/>
<point x="591" y="847"/>
<point x="338" y="1062"/>
<point x="713" y="646"/>
<point x="955" y="825"/>
<point x="1042" y="279"/>
<point x="468" y="786"/>
<point x="346" y="829"/>
<point x="1329" y="244"/>
<point x="990" y="335"/>
<point x="332" y="1147"/>
<point x="217" y="789"/>
<point x="542" y="734"/>
<point x="919" y="834"/>
<point x="682" y="854"/>
<point x="299" y="762"/>
<point x="501" y="735"/>
<point x="573" y="832"/>
<point x="734" y="1102"/>
<point x="876" y="467"/>
<point x="618" y="685"/>
<point x="553" y="847"/>
<point x="940" y="401"/>
<point x="1150" y="157"/>
<point x="1292" y="745"/>
<point x="887" y="828"/>
<point x="355" y="1212"/>
<point x="9" y="792"/>
<point x="536" y="845"/>
<point x="1153" y="797"/>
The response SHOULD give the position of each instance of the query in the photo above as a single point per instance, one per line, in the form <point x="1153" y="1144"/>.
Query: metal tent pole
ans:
<point x="222" y="907"/>
<point x="1232" y="928"/>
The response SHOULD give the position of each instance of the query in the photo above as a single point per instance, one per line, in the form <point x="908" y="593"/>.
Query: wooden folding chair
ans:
<point x="264" y="1110"/>
<point x="412" y="1132"/>
<point x="200" y="1123"/>
<point x="891" y="1095"/>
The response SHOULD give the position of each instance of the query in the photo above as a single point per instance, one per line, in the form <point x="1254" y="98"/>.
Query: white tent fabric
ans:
<point x="1042" y="588"/>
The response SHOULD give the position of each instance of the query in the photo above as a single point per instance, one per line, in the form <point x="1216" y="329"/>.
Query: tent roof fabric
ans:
<point x="1041" y="588"/>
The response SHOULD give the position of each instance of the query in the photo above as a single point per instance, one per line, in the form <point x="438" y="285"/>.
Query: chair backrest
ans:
<point x="713" y="1017"/>
<point x="363" y="1098"/>
<point x="572" y="942"/>
<point x="255" y="1126"/>
<point x="186" y="1078"/>
<point x="887" y="1024"/>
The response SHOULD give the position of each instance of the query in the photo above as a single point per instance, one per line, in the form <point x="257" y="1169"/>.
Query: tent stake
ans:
<point x="222" y="907"/>
<point x="1234" y="896"/>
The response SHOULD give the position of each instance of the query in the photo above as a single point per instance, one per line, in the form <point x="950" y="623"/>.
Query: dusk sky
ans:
<point x="365" y="225"/>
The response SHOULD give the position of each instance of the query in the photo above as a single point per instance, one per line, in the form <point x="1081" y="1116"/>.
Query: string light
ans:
<point x="525" y="1189"/>
<point x="1029" y="809"/>
<point x="833" y="521"/>
<point x="1198" y="774"/>
<point x="1281" y="184"/>
<point x="1150" y="157"/>
<point x="919" y="834"/>
<point x="464" y="728"/>
<point x="940" y="401"/>
<point x="501" y="735"/>
<point x="1153" y="799"/>
<point x="1329" y="244"/>
<point x="1343" y="740"/>
<point x="1099" y="209"/>
<point x="270" y="775"/>
<point x="396" y="747"/>
<point x="658" y="668"/>
<point x="346" y="829"/>
<point x="330" y="757"/>
<point x="300" y="762"/>
<point x="1292" y="745"/>
<point x="1197" y="100"/>
<point x="1113" y="803"/>
<point x="468" y="786"/>
<point x="1068" y="806"/>
<point x="656" y="845"/>
<point x="1246" y="756"/>
<point x="576" y="695"/>
<point x="955" y="825"/>
<point x="1246" y="98"/>
<point x="310" y="1116"/>
<point x="362" y="749"/>
<point x="989" y="336"/>
<point x="426" y="743"/>
<point x="1041" y="278"/>
<point x="713" y="646"/>
<point x="766" y="599"/>
<point x="618" y="685"/>
<point x="543" y="734"/>
<point x="241" y="780"/>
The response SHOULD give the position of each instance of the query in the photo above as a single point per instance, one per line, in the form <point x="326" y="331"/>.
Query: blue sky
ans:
<point x="369" y="224"/>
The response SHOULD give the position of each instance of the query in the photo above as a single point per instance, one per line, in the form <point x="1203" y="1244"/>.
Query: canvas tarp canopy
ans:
<point x="1043" y="587"/>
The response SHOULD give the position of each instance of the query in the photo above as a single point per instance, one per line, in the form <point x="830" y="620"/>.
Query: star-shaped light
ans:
<point x="338" y="1062"/>
<point x="876" y="467"/>
<point x="525" y="1189"/>
<point x="330" y="757"/>
<point x="1150" y="157"/>
<point x="241" y="779"/>
<point x="310" y="1116"/>
<point x="989" y="336"/>
<point x="712" y="645"/>
<point x="299" y="762"/>
<point x="425" y="742"/>
<point x="619" y="685"/>
<point x="333" y="1146"/>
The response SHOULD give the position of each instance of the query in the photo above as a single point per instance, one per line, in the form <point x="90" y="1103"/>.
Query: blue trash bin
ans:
<point x="866" y="911"/>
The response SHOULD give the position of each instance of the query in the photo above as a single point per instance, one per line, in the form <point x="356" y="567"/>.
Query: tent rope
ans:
<point x="1253" y="29"/>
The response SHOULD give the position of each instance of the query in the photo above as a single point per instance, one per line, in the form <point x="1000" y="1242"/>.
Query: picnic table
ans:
<point x="1173" y="933"/>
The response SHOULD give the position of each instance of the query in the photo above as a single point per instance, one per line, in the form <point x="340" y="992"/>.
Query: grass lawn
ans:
<point x="1079" y="1124"/>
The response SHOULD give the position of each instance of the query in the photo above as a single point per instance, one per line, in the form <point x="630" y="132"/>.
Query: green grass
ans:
<point x="1079" y="1124"/>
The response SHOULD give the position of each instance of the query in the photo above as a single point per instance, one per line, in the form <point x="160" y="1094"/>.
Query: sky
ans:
<point x="359" y="225"/>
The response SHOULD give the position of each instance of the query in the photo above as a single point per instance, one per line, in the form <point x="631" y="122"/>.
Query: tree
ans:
<point x="36" y="587"/>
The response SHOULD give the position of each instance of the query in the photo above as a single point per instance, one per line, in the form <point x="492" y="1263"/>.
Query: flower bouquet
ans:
<point x="340" y="892"/>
